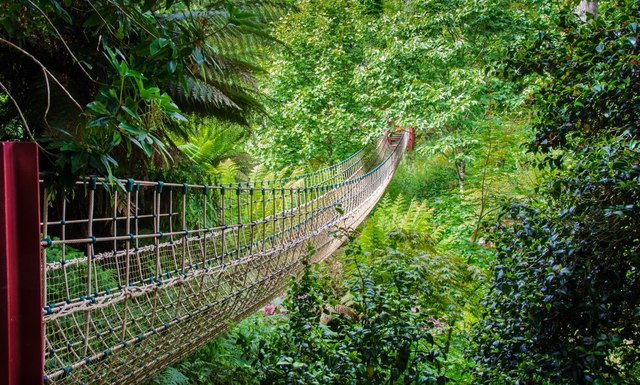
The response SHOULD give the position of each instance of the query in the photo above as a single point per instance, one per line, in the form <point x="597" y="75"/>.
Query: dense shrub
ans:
<point x="564" y="307"/>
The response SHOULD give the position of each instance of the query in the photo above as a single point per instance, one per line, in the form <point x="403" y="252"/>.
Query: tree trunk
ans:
<point x="587" y="10"/>
<point x="460" y="170"/>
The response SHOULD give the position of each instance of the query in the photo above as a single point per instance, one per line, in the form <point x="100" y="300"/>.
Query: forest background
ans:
<point x="507" y="248"/>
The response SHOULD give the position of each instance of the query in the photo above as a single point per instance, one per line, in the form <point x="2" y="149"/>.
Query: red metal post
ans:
<point x="412" y="138"/>
<point x="21" y="327"/>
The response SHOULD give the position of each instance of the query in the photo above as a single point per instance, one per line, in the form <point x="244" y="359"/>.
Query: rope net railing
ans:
<point x="137" y="278"/>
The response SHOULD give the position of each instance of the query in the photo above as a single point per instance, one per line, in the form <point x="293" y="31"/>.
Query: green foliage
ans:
<point x="103" y="81"/>
<point x="312" y="108"/>
<point x="566" y="288"/>
<point x="564" y="302"/>
<point x="226" y="360"/>
<point x="422" y="177"/>
<point x="395" y="219"/>
<point x="593" y="69"/>
<point x="217" y="148"/>
<point x="378" y="336"/>
<point x="171" y="376"/>
<point x="210" y="142"/>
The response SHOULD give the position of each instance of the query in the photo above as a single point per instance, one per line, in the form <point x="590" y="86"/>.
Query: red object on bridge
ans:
<point x="412" y="138"/>
<point x="21" y="324"/>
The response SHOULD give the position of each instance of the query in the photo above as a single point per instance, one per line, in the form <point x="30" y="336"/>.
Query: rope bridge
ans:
<point x="136" y="278"/>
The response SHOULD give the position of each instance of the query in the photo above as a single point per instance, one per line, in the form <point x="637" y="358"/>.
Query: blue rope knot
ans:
<point x="87" y="360"/>
<point x="63" y="222"/>
<point x="129" y="186"/>
<point x="93" y="239"/>
<point x="93" y="183"/>
<point x="67" y="370"/>
<point x="160" y="234"/>
<point x="140" y="337"/>
<point x="159" y="187"/>
<point x="184" y="189"/>
<point x="107" y="352"/>
<point x="48" y="241"/>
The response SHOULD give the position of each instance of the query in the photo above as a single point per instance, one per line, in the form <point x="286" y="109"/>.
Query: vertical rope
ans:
<point x="253" y="225"/>
<point x="127" y="274"/>
<point x="114" y="232"/>
<point x="239" y="228"/>
<point x="90" y="254"/>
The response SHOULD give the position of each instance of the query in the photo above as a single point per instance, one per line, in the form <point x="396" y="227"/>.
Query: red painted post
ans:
<point x="21" y="325"/>
<point x="412" y="138"/>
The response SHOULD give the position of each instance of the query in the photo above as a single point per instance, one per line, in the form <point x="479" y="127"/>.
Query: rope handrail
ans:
<point x="243" y="185"/>
<point x="123" y="267"/>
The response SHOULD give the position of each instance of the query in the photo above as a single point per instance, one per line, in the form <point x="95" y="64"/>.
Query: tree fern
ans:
<point x="211" y="142"/>
<point x="78" y="72"/>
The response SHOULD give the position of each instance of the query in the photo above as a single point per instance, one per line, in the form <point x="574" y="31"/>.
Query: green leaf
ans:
<point x="99" y="122"/>
<point x="157" y="45"/>
<point x="130" y="112"/>
<point x="98" y="107"/>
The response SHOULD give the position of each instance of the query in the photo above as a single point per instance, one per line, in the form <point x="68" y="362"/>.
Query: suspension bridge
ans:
<point x="136" y="277"/>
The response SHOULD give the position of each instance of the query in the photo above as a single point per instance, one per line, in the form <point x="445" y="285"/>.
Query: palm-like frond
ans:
<point x="113" y="61"/>
<point x="209" y="143"/>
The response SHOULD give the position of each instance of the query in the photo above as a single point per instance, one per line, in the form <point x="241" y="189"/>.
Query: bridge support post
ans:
<point x="412" y="138"/>
<point x="21" y="325"/>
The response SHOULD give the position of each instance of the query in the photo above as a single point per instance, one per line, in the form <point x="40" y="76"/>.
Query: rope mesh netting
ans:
<point x="137" y="278"/>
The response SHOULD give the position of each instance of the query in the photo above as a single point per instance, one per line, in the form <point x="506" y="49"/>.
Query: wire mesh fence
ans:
<point x="136" y="278"/>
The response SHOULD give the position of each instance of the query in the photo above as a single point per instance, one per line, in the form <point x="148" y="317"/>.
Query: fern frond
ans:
<point x="171" y="376"/>
<point x="227" y="171"/>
